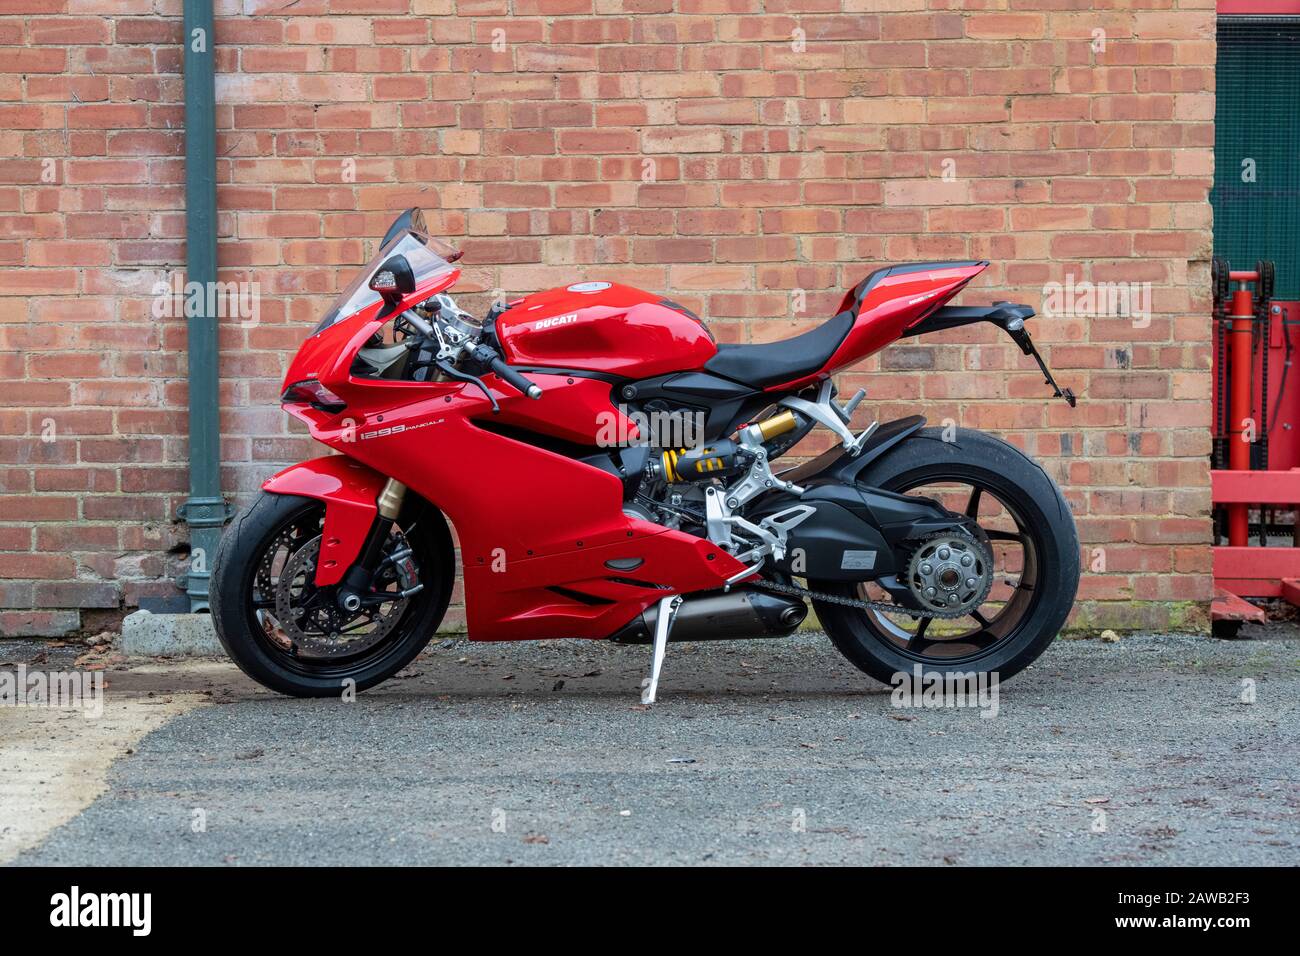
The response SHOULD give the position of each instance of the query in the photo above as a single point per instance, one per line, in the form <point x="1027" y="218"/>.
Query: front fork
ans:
<point x="357" y="583"/>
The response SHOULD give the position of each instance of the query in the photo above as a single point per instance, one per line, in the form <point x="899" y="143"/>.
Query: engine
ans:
<point x="681" y="487"/>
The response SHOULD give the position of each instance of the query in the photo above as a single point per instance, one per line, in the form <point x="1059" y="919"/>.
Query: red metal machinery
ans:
<point x="1267" y="8"/>
<point x="1255" y="475"/>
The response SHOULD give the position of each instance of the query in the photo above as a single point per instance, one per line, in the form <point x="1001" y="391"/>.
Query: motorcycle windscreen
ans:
<point x="428" y="258"/>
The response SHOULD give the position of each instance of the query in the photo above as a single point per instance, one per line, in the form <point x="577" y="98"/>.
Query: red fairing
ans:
<point x="349" y="490"/>
<point x="891" y="306"/>
<point x="603" y="327"/>
<point x="579" y="410"/>
<point x="527" y="519"/>
<point x="327" y="356"/>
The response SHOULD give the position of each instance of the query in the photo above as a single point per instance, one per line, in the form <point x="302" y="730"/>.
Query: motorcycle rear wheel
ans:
<point x="267" y="556"/>
<point x="1023" y="617"/>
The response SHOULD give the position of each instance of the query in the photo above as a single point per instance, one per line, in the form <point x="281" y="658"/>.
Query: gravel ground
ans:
<point x="1140" y="752"/>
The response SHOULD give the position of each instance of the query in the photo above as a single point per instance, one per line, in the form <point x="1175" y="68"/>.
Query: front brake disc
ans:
<point x="314" y="624"/>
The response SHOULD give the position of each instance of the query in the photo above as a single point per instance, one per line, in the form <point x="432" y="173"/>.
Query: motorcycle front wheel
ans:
<point x="291" y="636"/>
<point x="1035" y="546"/>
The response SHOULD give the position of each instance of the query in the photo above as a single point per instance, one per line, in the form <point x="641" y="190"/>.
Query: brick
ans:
<point x="1007" y="26"/>
<point x="38" y="623"/>
<point x="77" y="594"/>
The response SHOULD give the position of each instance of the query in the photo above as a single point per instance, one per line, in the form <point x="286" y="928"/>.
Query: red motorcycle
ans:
<point x="610" y="472"/>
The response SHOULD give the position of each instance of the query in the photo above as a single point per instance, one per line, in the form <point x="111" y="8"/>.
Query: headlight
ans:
<point x="314" y="394"/>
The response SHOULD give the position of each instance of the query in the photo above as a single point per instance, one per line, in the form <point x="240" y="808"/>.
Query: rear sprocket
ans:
<point x="950" y="573"/>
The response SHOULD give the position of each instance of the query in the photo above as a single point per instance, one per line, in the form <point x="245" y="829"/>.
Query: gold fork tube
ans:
<point x="390" y="499"/>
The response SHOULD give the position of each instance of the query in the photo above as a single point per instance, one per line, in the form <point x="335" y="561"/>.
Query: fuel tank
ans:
<point x="603" y="327"/>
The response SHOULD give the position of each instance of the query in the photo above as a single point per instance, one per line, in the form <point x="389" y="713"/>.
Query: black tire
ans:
<point x="232" y="599"/>
<point x="1042" y="513"/>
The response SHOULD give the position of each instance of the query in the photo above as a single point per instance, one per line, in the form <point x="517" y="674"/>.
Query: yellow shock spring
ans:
<point x="671" y="457"/>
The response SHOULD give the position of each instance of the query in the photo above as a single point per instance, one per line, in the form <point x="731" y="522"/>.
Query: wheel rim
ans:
<point x="1017" y="550"/>
<point x="325" y="641"/>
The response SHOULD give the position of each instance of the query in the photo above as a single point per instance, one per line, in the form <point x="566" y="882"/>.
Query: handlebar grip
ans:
<point x="508" y="374"/>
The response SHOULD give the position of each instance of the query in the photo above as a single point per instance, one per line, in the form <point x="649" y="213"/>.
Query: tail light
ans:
<point x="314" y="394"/>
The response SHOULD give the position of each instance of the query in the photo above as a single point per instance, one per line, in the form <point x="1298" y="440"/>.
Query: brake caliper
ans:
<point x="402" y="561"/>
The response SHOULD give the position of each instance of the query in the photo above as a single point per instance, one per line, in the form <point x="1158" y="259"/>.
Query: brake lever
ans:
<point x="452" y="372"/>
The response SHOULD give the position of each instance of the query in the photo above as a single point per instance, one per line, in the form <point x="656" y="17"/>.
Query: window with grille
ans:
<point x="1256" y="194"/>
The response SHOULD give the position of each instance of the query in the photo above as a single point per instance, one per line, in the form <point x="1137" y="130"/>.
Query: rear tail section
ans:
<point x="911" y="279"/>
<point x="884" y="304"/>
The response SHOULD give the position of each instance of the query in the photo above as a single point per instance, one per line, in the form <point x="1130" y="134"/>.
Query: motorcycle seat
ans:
<point x="771" y="363"/>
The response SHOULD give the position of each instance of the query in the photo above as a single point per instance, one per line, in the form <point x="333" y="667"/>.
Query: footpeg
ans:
<point x="771" y="534"/>
<point x="663" y="624"/>
<point x="860" y="442"/>
<point x="825" y="412"/>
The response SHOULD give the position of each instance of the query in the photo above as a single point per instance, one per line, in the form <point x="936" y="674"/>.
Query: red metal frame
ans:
<point x="530" y="520"/>
<point x="1262" y="8"/>
<point x="1241" y="570"/>
<point x="1229" y="607"/>
<point x="1255" y="487"/>
<point x="1240" y="400"/>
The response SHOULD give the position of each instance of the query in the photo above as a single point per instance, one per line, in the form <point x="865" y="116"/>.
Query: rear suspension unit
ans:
<point x="724" y="457"/>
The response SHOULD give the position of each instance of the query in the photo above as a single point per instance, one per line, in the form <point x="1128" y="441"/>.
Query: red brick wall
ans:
<point x="900" y="130"/>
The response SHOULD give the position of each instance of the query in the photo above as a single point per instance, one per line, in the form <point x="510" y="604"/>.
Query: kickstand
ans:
<point x="663" y="624"/>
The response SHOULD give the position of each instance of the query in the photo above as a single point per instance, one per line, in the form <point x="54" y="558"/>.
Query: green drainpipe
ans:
<point x="205" y="511"/>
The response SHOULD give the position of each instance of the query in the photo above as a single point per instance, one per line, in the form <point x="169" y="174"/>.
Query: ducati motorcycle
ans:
<point x="534" y="434"/>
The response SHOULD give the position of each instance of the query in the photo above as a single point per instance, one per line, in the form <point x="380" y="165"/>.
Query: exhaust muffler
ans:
<point x="721" y="616"/>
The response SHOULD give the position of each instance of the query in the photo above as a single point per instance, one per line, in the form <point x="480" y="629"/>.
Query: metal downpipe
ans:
<point x="205" y="511"/>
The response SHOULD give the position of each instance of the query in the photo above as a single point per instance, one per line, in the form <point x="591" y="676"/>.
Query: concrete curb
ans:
<point x="145" y="634"/>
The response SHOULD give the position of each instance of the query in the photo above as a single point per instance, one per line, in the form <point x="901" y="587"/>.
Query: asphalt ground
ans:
<point x="1158" y="749"/>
